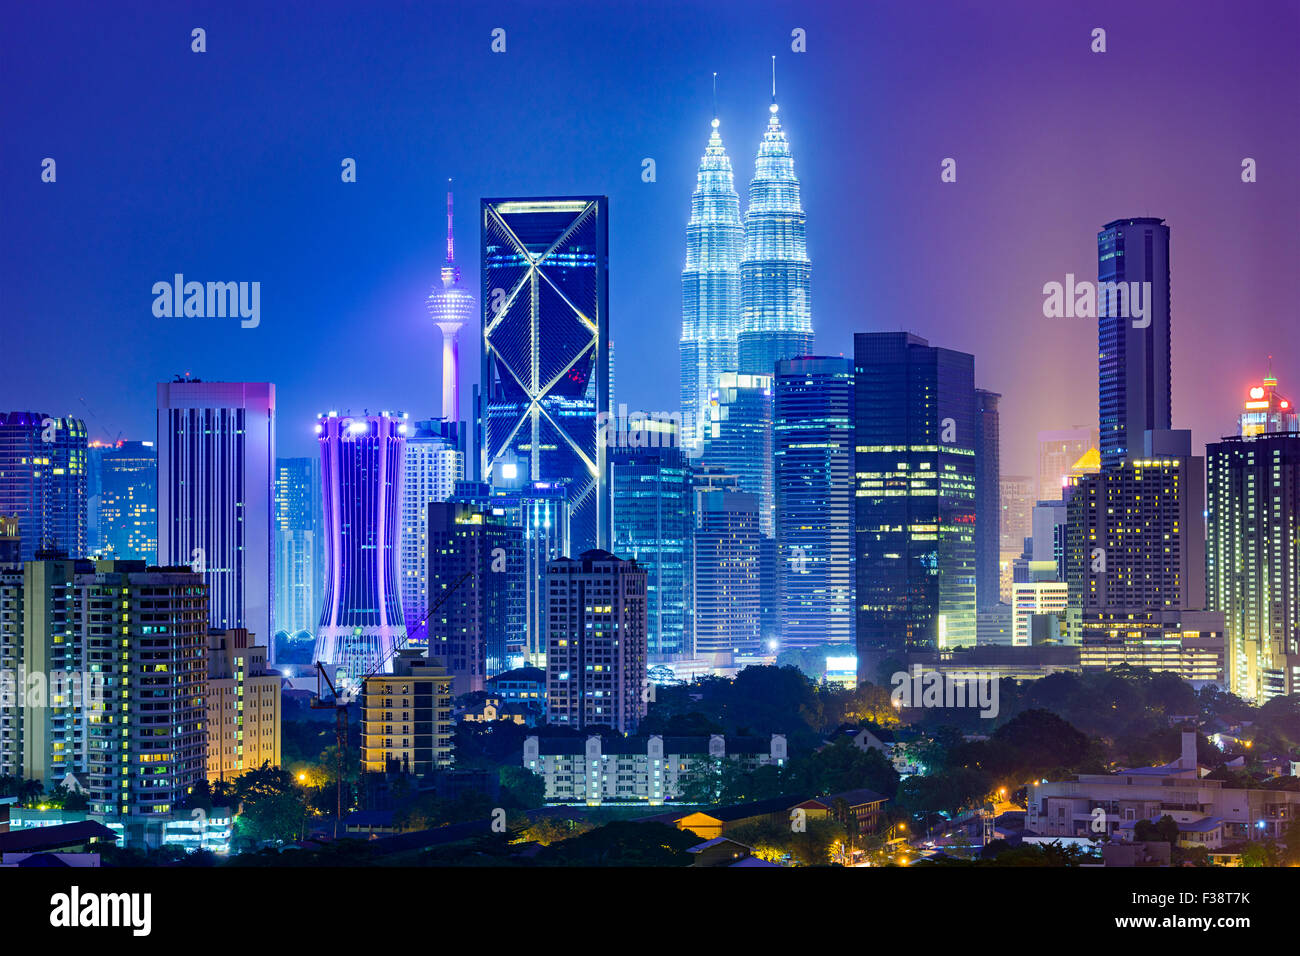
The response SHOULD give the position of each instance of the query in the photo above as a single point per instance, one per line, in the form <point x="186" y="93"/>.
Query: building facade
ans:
<point x="124" y="508"/>
<point x="1134" y="394"/>
<point x="726" y="586"/>
<point x="434" y="463"/>
<point x="915" y="438"/>
<point x="361" y="623"/>
<point x="652" y="770"/>
<point x="242" y="699"/>
<point x="216" y="494"/>
<point x="44" y="482"/>
<point x="299" y="546"/>
<point x="776" y="273"/>
<point x="711" y="312"/>
<point x="406" y="724"/>
<point x="545" y="369"/>
<point x="596" y="642"/>
<point x="813" y="456"/>
<point x="654" y="526"/>
<point x="1254" y="559"/>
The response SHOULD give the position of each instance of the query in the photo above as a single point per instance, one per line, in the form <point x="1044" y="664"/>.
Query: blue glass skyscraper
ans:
<point x="654" y="525"/>
<point x="43" y="481"/>
<point x="545" y="351"/>
<point x="1134" y="392"/>
<point x="776" y="274"/>
<point x="813" y="454"/>
<point x="915" y="438"/>
<point x="715" y="244"/>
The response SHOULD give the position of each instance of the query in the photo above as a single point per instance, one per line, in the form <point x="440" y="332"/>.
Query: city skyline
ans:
<point x="300" y="191"/>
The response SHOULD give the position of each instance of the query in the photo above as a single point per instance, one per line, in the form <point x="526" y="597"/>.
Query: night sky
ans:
<point x="225" y="166"/>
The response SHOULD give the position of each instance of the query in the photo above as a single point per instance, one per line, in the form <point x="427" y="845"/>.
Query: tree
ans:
<point x="1165" y="830"/>
<point x="623" y="843"/>
<point x="1264" y="853"/>
<point x="547" y="830"/>
<point x="271" y="806"/>
<point x="521" y="788"/>
<point x="1291" y="838"/>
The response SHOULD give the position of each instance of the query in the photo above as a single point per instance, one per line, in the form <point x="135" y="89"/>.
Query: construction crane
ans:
<point x="339" y="702"/>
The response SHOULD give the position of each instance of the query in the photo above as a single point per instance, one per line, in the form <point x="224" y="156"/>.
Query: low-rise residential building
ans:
<point x="652" y="769"/>
<point x="1208" y="813"/>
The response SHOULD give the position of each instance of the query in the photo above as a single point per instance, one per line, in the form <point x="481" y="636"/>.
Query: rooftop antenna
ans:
<point x="773" y="78"/>
<point x="449" y="247"/>
<point x="715" y="94"/>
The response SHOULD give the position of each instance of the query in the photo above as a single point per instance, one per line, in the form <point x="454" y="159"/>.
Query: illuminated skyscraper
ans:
<point x="299" y="546"/>
<point x="915" y="438"/>
<point x="361" y="622"/>
<point x="739" y="441"/>
<point x="545" y="359"/>
<point x="653" y="525"/>
<point x="988" y="507"/>
<point x="434" y="464"/>
<point x="216" y="495"/>
<point x="776" y="274"/>
<point x="715" y="244"/>
<point x="1267" y="412"/>
<point x="813" y="453"/>
<point x="1134" y="394"/>
<point x="43" y="481"/>
<point x="124" y="510"/>
<point x="1253" y="555"/>
<point x="451" y="306"/>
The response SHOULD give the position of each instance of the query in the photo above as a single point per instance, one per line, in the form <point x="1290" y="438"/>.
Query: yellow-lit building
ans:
<point x="243" y="706"/>
<point x="406" y="724"/>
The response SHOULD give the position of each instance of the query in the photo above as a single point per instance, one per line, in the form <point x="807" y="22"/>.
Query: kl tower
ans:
<point x="451" y="306"/>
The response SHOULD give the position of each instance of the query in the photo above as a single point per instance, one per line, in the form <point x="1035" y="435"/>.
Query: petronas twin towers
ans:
<point x="745" y="286"/>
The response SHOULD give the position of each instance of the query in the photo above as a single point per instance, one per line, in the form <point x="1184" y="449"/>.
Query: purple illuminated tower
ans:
<point x="451" y="306"/>
<point x="361" y="623"/>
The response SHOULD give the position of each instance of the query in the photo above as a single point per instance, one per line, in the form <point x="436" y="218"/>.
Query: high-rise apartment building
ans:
<point x="216" y="495"/>
<point x="916" y="506"/>
<point x="596" y="642"/>
<point x="545" y="351"/>
<point x="540" y="510"/>
<point x="1254" y="559"/>
<point x="813" y="456"/>
<point x="43" y="481"/>
<point x="146" y="632"/>
<point x="476" y="561"/>
<point x="42" y="640"/>
<point x="361" y="622"/>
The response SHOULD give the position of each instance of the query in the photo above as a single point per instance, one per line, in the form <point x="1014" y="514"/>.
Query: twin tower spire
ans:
<point x="745" y="287"/>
